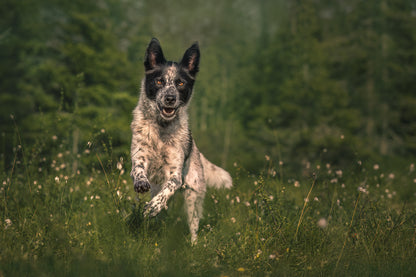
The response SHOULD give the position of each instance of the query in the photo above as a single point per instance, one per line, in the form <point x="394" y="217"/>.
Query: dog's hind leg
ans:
<point x="193" y="202"/>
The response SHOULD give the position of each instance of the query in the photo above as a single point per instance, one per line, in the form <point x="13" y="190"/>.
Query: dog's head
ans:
<point x="169" y="84"/>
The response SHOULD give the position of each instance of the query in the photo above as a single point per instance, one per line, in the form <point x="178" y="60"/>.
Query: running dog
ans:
<point x="163" y="152"/>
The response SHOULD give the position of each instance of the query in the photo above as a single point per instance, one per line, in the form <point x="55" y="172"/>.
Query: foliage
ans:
<point x="277" y="77"/>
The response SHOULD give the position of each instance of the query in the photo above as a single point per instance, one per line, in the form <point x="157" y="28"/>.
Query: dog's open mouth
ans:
<point x="168" y="112"/>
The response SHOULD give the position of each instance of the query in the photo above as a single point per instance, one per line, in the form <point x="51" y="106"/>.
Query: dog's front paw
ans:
<point x="155" y="206"/>
<point x="141" y="185"/>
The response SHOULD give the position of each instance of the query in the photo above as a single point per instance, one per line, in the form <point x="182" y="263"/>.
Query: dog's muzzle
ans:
<point x="168" y="108"/>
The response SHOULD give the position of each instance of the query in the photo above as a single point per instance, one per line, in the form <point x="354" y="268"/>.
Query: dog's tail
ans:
<point x="215" y="176"/>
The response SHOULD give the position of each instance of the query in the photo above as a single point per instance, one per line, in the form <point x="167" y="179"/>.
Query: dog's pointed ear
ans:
<point x="190" y="60"/>
<point x="154" y="55"/>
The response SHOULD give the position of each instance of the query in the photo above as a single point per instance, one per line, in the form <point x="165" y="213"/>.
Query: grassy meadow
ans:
<point x="77" y="215"/>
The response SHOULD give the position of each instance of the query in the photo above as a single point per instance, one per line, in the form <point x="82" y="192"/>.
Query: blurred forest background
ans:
<point x="298" y="81"/>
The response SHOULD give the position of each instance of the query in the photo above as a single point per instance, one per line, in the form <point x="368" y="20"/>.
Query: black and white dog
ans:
<point x="164" y="154"/>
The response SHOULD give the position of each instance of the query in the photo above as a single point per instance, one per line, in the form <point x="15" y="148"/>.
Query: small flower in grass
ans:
<point x="376" y="167"/>
<point x="267" y="158"/>
<point x="322" y="223"/>
<point x="102" y="131"/>
<point x="54" y="137"/>
<point x="272" y="256"/>
<point x="338" y="173"/>
<point x="233" y="220"/>
<point x="247" y="203"/>
<point x="391" y="176"/>
<point x="7" y="223"/>
<point x="57" y="179"/>
<point x="412" y="167"/>
<point x="316" y="199"/>
<point x="237" y="199"/>
<point x="119" y="166"/>
<point x="281" y="163"/>
<point x="363" y="190"/>
<point x="97" y="197"/>
<point x="296" y="184"/>
<point x="241" y="269"/>
<point x="259" y="252"/>
<point x="342" y="136"/>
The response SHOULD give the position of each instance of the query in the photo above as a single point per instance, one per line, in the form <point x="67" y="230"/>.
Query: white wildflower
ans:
<point x="7" y="223"/>
<point x="338" y="173"/>
<point x="322" y="223"/>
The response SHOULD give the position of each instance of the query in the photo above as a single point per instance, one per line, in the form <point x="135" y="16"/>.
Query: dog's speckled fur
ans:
<point x="164" y="155"/>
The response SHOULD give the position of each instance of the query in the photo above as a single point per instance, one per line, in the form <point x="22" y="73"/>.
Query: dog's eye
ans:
<point x="159" y="82"/>
<point x="180" y="83"/>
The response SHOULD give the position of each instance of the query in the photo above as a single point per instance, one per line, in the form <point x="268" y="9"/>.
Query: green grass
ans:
<point x="357" y="221"/>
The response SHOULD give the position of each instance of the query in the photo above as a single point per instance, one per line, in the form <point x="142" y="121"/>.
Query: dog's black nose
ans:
<point x="170" y="99"/>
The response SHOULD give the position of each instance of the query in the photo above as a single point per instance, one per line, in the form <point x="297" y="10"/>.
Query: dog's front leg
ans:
<point x="159" y="202"/>
<point x="173" y="171"/>
<point x="139" y="164"/>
